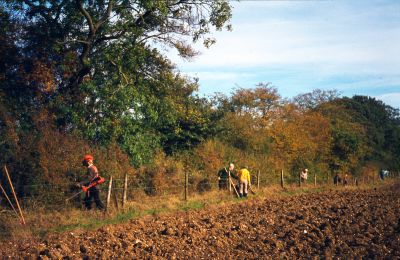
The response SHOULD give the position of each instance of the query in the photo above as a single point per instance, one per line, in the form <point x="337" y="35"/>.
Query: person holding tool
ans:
<point x="223" y="176"/>
<point x="90" y="186"/>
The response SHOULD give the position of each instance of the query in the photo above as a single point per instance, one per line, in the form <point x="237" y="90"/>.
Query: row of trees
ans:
<point x="88" y="76"/>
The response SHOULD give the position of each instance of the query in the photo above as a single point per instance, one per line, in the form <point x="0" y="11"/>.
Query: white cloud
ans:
<point x="294" y="42"/>
<point x="219" y="75"/>
<point x="336" y="44"/>
<point x="391" y="99"/>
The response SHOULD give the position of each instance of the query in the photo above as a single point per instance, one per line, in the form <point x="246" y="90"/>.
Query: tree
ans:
<point x="349" y="140"/>
<point x="317" y="97"/>
<point x="94" y="66"/>
<point x="299" y="139"/>
<point x="382" y="124"/>
<point x="259" y="102"/>
<point x="246" y="116"/>
<point x="71" y="36"/>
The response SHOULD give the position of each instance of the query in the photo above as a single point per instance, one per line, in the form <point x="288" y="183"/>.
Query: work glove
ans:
<point x="85" y="189"/>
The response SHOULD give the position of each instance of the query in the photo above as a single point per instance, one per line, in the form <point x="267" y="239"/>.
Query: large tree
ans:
<point x="97" y="67"/>
<point x="81" y="31"/>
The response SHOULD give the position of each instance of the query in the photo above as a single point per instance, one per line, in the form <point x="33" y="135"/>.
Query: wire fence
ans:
<point x="53" y="196"/>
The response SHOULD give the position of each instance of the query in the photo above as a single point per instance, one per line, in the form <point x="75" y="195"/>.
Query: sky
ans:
<point x="298" y="46"/>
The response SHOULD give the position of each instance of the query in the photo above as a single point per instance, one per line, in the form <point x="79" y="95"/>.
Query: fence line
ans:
<point x="127" y="190"/>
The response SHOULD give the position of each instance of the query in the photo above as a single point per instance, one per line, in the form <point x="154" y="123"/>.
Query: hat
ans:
<point x="88" y="157"/>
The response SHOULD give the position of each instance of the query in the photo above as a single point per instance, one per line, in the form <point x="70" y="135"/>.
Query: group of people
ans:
<point x="242" y="176"/>
<point x="338" y="180"/>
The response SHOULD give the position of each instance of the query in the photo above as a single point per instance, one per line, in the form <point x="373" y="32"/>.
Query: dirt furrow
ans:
<point x="336" y="223"/>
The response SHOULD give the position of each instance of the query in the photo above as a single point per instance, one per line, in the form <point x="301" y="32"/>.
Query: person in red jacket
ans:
<point x="89" y="186"/>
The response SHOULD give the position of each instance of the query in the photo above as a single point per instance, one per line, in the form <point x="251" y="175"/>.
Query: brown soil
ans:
<point x="345" y="224"/>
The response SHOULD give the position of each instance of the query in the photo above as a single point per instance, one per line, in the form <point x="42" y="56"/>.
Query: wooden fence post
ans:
<point x="282" y="182"/>
<point x="109" y="193"/>
<point x="315" y="180"/>
<point x="258" y="179"/>
<point x="125" y="191"/>
<point x="115" y="196"/>
<point x="186" y="185"/>
<point x="300" y="179"/>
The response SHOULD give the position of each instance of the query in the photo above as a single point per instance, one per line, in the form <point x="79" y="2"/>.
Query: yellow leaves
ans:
<point x="211" y="154"/>
<point x="304" y="135"/>
<point x="261" y="102"/>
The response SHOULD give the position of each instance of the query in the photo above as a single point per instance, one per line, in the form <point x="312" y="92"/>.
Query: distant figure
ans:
<point x="345" y="180"/>
<point x="304" y="175"/>
<point x="336" y="179"/>
<point x="244" y="181"/>
<point x="223" y="176"/>
<point x="382" y="174"/>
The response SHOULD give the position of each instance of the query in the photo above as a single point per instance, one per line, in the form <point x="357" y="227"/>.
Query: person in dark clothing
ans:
<point x="89" y="186"/>
<point x="223" y="176"/>
<point x="336" y="179"/>
<point x="382" y="174"/>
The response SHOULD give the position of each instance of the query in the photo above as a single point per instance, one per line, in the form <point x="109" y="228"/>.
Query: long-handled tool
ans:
<point x="99" y="180"/>
<point x="15" y="195"/>
<point x="9" y="201"/>
<point x="251" y="190"/>
<point x="237" y="193"/>
<point x="75" y="195"/>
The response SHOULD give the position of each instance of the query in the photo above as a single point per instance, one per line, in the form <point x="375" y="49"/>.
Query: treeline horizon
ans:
<point x="82" y="77"/>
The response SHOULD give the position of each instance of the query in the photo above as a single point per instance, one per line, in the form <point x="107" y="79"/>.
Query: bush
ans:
<point x="203" y="186"/>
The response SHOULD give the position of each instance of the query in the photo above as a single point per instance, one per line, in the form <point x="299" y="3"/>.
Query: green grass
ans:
<point x="191" y="205"/>
<point x="92" y="223"/>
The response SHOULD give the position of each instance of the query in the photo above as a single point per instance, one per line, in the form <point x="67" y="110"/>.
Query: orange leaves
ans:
<point x="304" y="135"/>
<point x="211" y="153"/>
<point x="259" y="102"/>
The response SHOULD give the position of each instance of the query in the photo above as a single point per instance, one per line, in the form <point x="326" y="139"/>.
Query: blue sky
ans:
<point x="298" y="46"/>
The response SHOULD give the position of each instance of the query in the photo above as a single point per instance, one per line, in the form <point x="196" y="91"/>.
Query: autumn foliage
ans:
<point x="73" y="81"/>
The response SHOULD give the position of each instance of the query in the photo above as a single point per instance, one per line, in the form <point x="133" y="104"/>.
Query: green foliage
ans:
<point x="92" y="65"/>
<point x="88" y="76"/>
<point x="382" y="123"/>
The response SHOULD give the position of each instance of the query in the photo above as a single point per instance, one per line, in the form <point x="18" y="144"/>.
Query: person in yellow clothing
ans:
<point x="244" y="181"/>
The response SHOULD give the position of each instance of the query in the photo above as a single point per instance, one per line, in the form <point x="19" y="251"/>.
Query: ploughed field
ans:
<point x="341" y="223"/>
